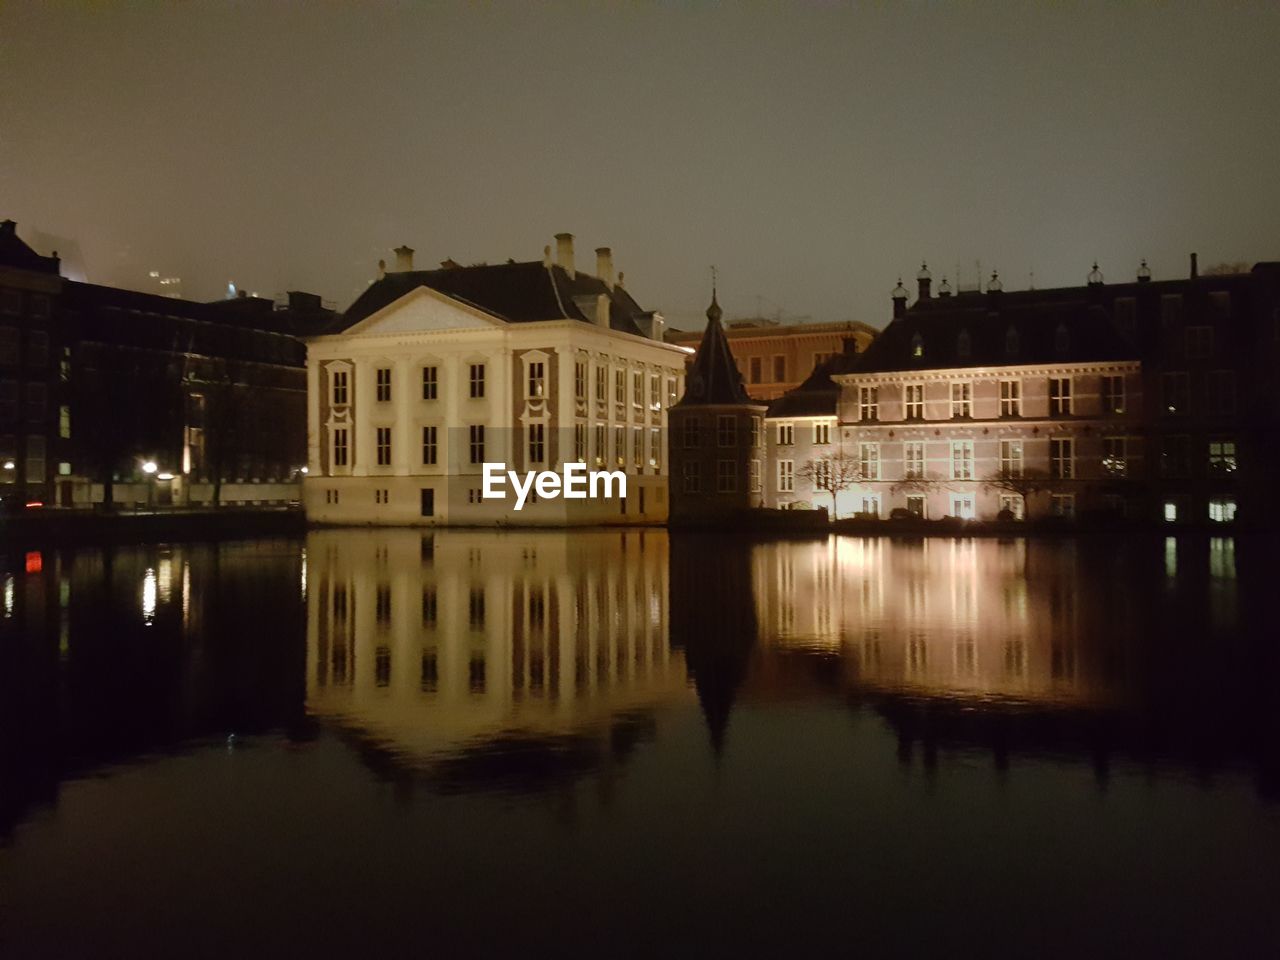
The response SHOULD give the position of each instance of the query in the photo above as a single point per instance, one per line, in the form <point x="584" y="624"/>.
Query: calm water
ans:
<point x="385" y="743"/>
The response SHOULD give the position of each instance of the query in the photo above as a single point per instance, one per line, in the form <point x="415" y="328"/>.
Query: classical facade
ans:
<point x="775" y="357"/>
<point x="431" y="374"/>
<point x="1148" y="400"/>
<point x="717" y="438"/>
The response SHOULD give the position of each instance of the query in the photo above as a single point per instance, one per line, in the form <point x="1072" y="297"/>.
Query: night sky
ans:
<point x="814" y="153"/>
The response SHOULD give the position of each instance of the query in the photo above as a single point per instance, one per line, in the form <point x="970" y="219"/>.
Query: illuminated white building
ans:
<point x="431" y="374"/>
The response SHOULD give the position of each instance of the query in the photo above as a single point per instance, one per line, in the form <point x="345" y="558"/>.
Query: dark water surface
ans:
<point x="389" y="743"/>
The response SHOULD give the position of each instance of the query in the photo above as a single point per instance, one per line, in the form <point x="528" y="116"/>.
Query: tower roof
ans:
<point x="713" y="377"/>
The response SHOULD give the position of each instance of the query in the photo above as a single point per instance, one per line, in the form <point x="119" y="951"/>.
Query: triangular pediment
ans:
<point x="423" y="310"/>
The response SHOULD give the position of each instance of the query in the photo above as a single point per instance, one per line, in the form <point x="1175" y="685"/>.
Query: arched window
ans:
<point x="917" y="345"/>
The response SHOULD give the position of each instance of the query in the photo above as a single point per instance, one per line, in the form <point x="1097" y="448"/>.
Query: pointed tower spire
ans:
<point x="713" y="376"/>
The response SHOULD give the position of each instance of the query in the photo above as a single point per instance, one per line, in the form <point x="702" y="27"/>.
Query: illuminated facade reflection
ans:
<point x="428" y="642"/>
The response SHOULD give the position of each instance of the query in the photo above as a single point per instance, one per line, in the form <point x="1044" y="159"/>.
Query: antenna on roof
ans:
<point x="1033" y="279"/>
<point x="713" y="281"/>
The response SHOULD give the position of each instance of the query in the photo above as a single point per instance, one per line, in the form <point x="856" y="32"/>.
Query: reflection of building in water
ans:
<point x="956" y="617"/>
<point x="428" y="641"/>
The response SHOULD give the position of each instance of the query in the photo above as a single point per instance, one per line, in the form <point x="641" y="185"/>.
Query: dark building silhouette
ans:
<point x="96" y="382"/>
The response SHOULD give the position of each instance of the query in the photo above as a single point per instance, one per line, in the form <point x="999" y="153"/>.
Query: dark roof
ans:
<point x="997" y="332"/>
<point x="514" y="292"/>
<point x="818" y="395"/>
<point x="713" y="377"/>
<point x="15" y="253"/>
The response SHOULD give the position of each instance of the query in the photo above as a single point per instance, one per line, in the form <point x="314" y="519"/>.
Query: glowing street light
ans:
<point x="10" y="465"/>
<point x="149" y="467"/>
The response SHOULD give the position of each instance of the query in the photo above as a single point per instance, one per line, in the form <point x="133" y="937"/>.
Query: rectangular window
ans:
<point x="756" y="370"/>
<point x="655" y="448"/>
<point x="779" y="369"/>
<point x="786" y="476"/>
<point x="1061" y="458"/>
<point x="726" y="477"/>
<point x="477" y="443"/>
<point x="1175" y="456"/>
<point x="1059" y="396"/>
<point x="1222" y="509"/>
<point x="672" y="388"/>
<point x="428" y="504"/>
<point x="340" y="446"/>
<point x="1063" y="505"/>
<point x="786" y="434"/>
<point x="1011" y="458"/>
<point x="64" y="422"/>
<point x="430" y="383"/>
<point x="1222" y="457"/>
<point x="602" y="444"/>
<point x="580" y="380"/>
<point x="869" y="403"/>
<point x="869" y="461"/>
<point x="384" y="446"/>
<point x="913" y="401"/>
<point x="655" y="392"/>
<point x="384" y="384"/>
<point x="537" y="385"/>
<point x="1176" y="392"/>
<point x="913" y="459"/>
<point x="690" y="433"/>
<point x="637" y="447"/>
<point x="1220" y="392"/>
<point x="637" y="388"/>
<point x="1199" y="343"/>
<point x="754" y="478"/>
<point x="1113" y="394"/>
<point x="821" y="432"/>
<point x="428" y="446"/>
<point x="620" y="446"/>
<point x="756" y="426"/>
<point x="619" y="387"/>
<point x="580" y="442"/>
<point x="961" y="459"/>
<point x="537" y="443"/>
<point x="601" y="389"/>
<point x="339" y="388"/>
<point x="691" y="478"/>
<point x="1115" y="457"/>
<point x="477" y="381"/>
<point x="726" y="430"/>
<point x="1010" y="398"/>
<point x="962" y="399"/>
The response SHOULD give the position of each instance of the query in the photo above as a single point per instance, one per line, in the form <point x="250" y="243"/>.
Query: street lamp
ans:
<point x="10" y="465"/>
<point x="149" y="467"/>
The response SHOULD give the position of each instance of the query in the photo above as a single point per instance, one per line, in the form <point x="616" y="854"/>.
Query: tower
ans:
<point x="715" y="436"/>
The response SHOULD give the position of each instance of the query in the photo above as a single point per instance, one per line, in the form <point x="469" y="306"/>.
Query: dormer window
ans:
<point x="917" y="345"/>
<point x="964" y="344"/>
<point x="1011" y="342"/>
<point x="1061" y="339"/>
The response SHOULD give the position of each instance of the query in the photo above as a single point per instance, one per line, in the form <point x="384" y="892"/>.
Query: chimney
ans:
<point x="621" y="275"/>
<point x="546" y="256"/>
<point x="850" y="346"/>
<point x="602" y="310"/>
<point x="1195" y="269"/>
<point x="404" y="259"/>
<point x="604" y="265"/>
<point x="382" y="269"/>
<point x="564" y="253"/>
<point x="924" y="280"/>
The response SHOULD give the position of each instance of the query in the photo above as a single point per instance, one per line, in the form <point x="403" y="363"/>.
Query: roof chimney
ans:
<point x="604" y="265"/>
<point x="1144" y="273"/>
<point x="924" y="279"/>
<point x="602" y="310"/>
<point x="1195" y="270"/>
<point x="382" y="269"/>
<point x="546" y="256"/>
<point x="564" y="253"/>
<point x="404" y="259"/>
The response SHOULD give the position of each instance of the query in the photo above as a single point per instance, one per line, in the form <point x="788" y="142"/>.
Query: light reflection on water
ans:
<point x="714" y="692"/>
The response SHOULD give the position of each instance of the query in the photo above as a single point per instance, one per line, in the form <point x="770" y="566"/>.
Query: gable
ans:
<point x="423" y="310"/>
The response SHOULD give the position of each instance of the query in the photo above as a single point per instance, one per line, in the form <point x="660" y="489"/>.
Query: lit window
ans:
<point x="869" y="403"/>
<point x="1113" y="394"/>
<point x="962" y="399"/>
<point x="869" y="461"/>
<point x="962" y="459"/>
<point x="913" y="401"/>
<point x="537" y="380"/>
<point x="786" y="476"/>
<point x="580" y="442"/>
<point x="1010" y="398"/>
<point x="913" y="459"/>
<point x="1222" y="510"/>
<point x="1115" y="456"/>
<point x="1011" y="458"/>
<point x="1222" y="457"/>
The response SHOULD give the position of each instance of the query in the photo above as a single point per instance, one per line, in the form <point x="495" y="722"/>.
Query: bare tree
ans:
<point x="832" y="474"/>
<point x="1021" y="483"/>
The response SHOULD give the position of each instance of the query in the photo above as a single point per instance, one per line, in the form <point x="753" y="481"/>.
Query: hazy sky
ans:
<point x="813" y="152"/>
